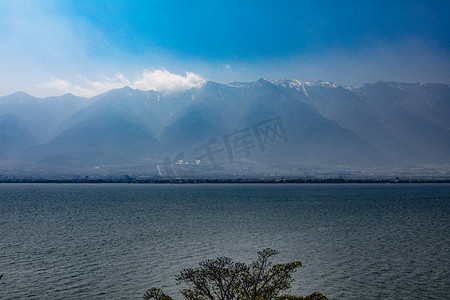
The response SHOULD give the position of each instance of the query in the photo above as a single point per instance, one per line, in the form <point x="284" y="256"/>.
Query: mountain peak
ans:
<point x="21" y="94"/>
<point x="65" y="97"/>
<point x="126" y="90"/>
<point x="20" y="97"/>
<point x="264" y="79"/>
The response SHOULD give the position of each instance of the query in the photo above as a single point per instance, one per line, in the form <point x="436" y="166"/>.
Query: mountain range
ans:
<point x="281" y="123"/>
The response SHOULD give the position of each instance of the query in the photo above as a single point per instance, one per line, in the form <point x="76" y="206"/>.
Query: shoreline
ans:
<point x="231" y="181"/>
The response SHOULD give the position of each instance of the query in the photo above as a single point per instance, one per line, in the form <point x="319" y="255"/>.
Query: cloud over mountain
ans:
<point x="158" y="80"/>
<point x="164" y="81"/>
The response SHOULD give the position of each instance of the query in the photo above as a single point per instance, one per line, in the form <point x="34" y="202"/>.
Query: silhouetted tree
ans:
<point x="224" y="279"/>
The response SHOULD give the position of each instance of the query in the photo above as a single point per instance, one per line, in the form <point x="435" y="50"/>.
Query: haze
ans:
<point x="51" y="48"/>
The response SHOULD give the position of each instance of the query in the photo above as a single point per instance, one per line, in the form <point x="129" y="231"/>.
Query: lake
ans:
<point x="115" y="241"/>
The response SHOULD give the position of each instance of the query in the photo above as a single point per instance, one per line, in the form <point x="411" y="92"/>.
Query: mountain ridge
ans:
<point x="384" y="124"/>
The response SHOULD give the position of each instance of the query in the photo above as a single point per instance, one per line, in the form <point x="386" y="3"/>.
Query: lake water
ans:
<point x="114" y="241"/>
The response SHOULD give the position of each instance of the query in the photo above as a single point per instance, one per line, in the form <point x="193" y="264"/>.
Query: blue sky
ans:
<point x="85" y="47"/>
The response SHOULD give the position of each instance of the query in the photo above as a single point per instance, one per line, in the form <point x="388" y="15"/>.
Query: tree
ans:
<point x="224" y="279"/>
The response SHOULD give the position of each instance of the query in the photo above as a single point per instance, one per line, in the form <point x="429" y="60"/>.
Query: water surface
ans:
<point x="114" y="241"/>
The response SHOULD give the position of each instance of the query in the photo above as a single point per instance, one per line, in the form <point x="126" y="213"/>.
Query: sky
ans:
<point x="51" y="48"/>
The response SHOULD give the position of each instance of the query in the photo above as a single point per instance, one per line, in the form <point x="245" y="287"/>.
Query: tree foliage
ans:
<point x="224" y="279"/>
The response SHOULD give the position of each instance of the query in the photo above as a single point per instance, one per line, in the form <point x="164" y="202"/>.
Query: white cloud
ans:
<point x="86" y="87"/>
<point x="162" y="80"/>
<point x="158" y="80"/>
<point x="58" y="84"/>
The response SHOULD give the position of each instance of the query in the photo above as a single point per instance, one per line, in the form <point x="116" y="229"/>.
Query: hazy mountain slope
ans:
<point x="313" y="138"/>
<point x="42" y="115"/>
<point x="62" y="107"/>
<point x="354" y="110"/>
<point x="132" y="105"/>
<point x="407" y="119"/>
<point x="215" y="110"/>
<point x="427" y="101"/>
<point x="192" y="129"/>
<point x="14" y="137"/>
<point x="345" y="107"/>
<point x="109" y="139"/>
<point x="29" y="110"/>
<point x="326" y="125"/>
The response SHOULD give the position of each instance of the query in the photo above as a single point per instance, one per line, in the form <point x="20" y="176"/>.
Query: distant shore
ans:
<point x="225" y="181"/>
